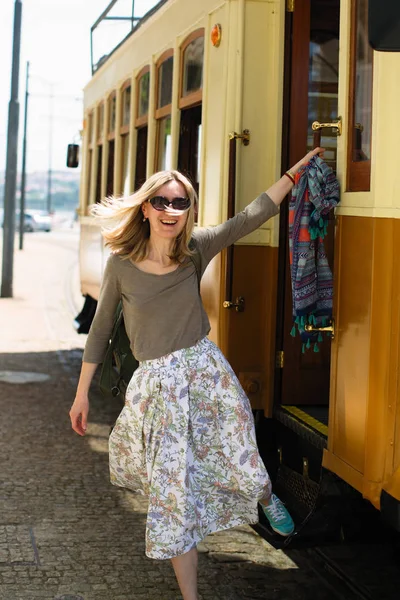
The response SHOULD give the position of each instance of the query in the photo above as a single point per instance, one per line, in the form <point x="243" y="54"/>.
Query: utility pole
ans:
<point x="49" y="174"/>
<point x="11" y="162"/>
<point x="23" y="175"/>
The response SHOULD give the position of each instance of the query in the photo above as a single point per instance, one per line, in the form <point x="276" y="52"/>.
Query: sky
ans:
<point x="55" y="39"/>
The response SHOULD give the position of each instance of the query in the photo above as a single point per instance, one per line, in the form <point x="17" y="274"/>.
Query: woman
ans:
<point x="185" y="437"/>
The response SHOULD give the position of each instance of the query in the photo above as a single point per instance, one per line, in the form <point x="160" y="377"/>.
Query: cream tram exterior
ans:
<point x="190" y="75"/>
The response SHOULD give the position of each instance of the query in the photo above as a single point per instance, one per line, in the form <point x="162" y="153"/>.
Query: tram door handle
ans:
<point x="238" y="305"/>
<point x="316" y="126"/>
<point x="310" y="328"/>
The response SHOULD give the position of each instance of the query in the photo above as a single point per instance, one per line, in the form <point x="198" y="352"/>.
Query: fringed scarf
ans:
<point x="315" y="193"/>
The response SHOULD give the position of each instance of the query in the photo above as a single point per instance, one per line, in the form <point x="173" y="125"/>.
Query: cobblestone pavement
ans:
<point x="65" y="532"/>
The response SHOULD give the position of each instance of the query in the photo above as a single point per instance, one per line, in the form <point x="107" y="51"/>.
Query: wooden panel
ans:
<point x="364" y="418"/>
<point x="251" y="334"/>
<point x="377" y="431"/>
<point x="354" y="246"/>
<point x="394" y="388"/>
<point x="343" y="470"/>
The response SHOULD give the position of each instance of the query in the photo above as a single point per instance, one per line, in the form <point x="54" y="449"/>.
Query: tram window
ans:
<point x="89" y="174"/>
<point x="164" y="144"/>
<point x="90" y="130"/>
<point x="110" y="168"/>
<point x="101" y="120"/>
<point x="124" y="159"/>
<point x="143" y="87"/>
<point x="111" y="143"/>
<point x="193" y="66"/>
<point x="98" y="173"/>
<point x="163" y="111"/>
<point x="190" y="144"/>
<point x="113" y="112"/>
<point x="323" y="76"/>
<point x="89" y="156"/>
<point x="144" y="91"/>
<point x="141" y="157"/>
<point x="165" y="82"/>
<point x="126" y="106"/>
<point x="192" y="57"/>
<point x="360" y="109"/>
<point x="100" y="137"/>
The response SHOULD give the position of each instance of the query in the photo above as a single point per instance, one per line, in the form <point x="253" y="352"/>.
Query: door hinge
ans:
<point x="279" y="359"/>
<point x="290" y="5"/>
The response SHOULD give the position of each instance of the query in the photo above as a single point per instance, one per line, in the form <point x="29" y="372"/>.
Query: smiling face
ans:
<point x="167" y="223"/>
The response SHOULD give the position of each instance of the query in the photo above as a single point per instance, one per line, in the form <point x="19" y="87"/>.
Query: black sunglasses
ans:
<point x="161" y="203"/>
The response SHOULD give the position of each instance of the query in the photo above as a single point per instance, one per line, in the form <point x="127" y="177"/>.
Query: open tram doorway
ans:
<point x="311" y="94"/>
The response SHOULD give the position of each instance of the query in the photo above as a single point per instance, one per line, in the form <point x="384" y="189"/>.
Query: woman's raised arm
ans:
<point x="212" y="240"/>
<point x="279" y="190"/>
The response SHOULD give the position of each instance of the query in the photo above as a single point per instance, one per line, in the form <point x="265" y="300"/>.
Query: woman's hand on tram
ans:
<point x="306" y="159"/>
<point x="79" y="414"/>
<point x="279" y="190"/>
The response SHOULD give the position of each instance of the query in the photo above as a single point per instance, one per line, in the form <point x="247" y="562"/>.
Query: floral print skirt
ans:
<point x="185" y="438"/>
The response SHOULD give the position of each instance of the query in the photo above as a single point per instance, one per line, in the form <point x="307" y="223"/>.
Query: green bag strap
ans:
<point x="109" y="379"/>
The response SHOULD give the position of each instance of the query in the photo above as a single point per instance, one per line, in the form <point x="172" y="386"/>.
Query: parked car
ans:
<point x="38" y="220"/>
<point x="35" y="221"/>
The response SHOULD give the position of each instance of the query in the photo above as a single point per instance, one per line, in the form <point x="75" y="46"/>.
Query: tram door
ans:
<point x="312" y="60"/>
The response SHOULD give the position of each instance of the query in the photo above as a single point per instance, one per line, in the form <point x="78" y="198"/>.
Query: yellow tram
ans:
<point x="227" y="91"/>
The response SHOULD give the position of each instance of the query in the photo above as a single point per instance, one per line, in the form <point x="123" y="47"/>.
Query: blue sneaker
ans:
<point x="279" y="518"/>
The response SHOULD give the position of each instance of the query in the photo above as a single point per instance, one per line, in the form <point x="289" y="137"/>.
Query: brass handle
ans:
<point x="337" y="125"/>
<point x="310" y="328"/>
<point x="244" y="136"/>
<point x="238" y="305"/>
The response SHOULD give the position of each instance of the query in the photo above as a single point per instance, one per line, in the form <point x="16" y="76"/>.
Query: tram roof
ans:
<point x="136" y="22"/>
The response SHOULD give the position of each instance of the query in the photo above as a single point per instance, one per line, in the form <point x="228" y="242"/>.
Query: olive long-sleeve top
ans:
<point x="164" y="313"/>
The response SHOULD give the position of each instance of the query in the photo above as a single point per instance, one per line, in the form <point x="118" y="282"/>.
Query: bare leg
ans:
<point x="185" y="567"/>
<point x="265" y="501"/>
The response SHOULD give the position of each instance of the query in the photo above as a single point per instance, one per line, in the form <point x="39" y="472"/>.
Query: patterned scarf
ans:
<point x="315" y="193"/>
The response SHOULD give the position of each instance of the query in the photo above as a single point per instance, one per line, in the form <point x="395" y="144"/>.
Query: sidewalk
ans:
<point x="65" y="532"/>
<point x="39" y="269"/>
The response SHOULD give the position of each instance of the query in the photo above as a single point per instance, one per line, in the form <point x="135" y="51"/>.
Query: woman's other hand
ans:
<point x="306" y="159"/>
<point x="79" y="414"/>
<point x="279" y="190"/>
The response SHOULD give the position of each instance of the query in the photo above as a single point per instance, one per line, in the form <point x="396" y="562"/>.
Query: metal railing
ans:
<point x="127" y="23"/>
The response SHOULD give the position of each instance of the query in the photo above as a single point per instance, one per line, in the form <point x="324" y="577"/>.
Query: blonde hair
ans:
<point x="124" y="230"/>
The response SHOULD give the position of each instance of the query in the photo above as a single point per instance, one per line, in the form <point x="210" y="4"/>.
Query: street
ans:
<point x="65" y="532"/>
